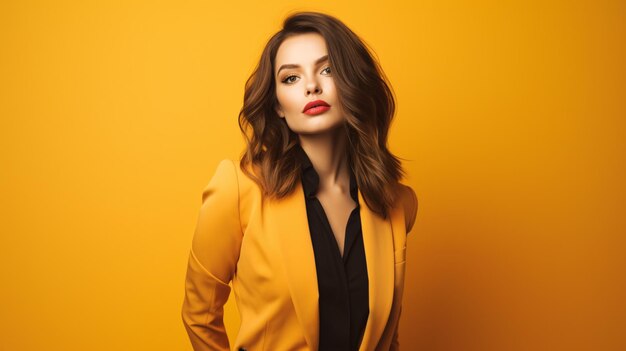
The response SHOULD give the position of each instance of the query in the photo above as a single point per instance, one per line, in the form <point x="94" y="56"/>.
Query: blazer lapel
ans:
<point x="288" y="219"/>
<point x="378" y="243"/>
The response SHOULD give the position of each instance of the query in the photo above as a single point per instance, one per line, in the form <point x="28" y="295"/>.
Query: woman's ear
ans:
<point x="279" y="111"/>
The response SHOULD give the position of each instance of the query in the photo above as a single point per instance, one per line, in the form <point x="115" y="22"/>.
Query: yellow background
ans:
<point x="114" y="116"/>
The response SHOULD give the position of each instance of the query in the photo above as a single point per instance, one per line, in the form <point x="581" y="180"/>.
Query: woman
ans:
<point x="310" y="225"/>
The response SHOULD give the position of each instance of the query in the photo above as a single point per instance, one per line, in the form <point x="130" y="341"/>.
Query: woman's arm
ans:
<point x="212" y="260"/>
<point x="410" y="214"/>
<point x="395" y="345"/>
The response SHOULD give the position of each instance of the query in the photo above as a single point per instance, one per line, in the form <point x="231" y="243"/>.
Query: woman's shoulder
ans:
<point x="223" y="180"/>
<point x="229" y="170"/>
<point x="407" y="200"/>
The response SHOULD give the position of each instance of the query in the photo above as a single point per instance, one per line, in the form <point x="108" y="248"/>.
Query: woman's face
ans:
<point x="303" y="74"/>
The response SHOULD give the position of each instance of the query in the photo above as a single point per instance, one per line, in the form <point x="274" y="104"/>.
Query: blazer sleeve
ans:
<point x="212" y="260"/>
<point x="395" y="344"/>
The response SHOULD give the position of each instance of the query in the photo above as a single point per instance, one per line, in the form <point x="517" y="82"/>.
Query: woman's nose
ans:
<point x="313" y="87"/>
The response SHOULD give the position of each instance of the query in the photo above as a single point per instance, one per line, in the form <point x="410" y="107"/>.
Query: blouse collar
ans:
<point x="310" y="178"/>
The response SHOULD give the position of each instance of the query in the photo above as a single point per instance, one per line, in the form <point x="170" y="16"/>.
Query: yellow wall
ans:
<point x="115" y="114"/>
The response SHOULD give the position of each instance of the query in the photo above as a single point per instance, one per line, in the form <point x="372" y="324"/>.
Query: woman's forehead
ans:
<point x="301" y="49"/>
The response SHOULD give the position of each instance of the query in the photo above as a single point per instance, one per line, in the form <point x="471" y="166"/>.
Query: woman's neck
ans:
<point x="329" y="155"/>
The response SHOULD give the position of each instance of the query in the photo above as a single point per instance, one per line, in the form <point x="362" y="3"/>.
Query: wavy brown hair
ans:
<point x="270" y="159"/>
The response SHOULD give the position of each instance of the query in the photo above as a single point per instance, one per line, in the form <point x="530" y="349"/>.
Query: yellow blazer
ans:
<point x="267" y="253"/>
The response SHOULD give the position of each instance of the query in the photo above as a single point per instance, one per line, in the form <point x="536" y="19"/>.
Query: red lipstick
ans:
<point x="316" y="107"/>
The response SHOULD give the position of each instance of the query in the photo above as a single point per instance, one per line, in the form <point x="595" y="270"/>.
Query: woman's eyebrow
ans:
<point x="291" y="65"/>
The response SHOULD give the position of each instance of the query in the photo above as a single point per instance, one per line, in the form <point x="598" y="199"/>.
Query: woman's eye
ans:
<point x="292" y="79"/>
<point x="289" y="80"/>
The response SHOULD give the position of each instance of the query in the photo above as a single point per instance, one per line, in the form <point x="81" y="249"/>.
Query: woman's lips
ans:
<point x="317" y="110"/>
<point x="316" y="105"/>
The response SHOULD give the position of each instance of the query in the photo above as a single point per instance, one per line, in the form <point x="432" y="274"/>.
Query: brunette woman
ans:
<point x="309" y="226"/>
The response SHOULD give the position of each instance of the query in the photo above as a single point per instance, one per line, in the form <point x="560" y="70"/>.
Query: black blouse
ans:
<point x="342" y="281"/>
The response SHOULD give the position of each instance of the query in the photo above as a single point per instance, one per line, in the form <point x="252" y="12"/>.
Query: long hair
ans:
<point x="270" y="159"/>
